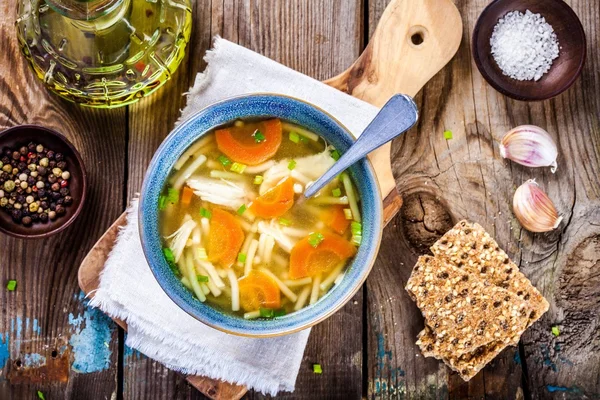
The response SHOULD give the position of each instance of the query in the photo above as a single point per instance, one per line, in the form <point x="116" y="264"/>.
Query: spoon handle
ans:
<point x="397" y="116"/>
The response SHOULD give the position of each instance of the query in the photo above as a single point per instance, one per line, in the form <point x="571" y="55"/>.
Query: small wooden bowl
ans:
<point x="565" y="69"/>
<point x="20" y="136"/>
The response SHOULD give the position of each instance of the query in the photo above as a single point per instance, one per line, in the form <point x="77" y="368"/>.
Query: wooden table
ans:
<point x="366" y="349"/>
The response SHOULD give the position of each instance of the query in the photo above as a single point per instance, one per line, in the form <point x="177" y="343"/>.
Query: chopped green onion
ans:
<point x="258" y="179"/>
<point x="168" y="254"/>
<point x="11" y="285"/>
<point x="292" y="165"/>
<point x="266" y="312"/>
<point x="294" y="137"/>
<point x="335" y="155"/>
<point x="202" y="254"/>
<point x="172" y="195"/>
<point x="315" y="238"/>
<point x="237" y="167"/>
<point x="356" y="229"/>
<point x="41" y="395"/>
<point x="555" y="331"/>
<point x="258" y="136"/>
<point x="242" y="257"/>
<point x="205" y="213"/>
<point x="285" y="222"/>
<point x="162" y="202"/>
<point x="447" y="135"/>
<point x="202" y="278"/>
<point x="317" y="369"/>
<point x="279" y="313"/>
<point x="348" y="213"/>
<point x="303" y="139"/>
<point x="336" y="192"/>
<point x="242" y="209"/>
<point x="224" y="160"/>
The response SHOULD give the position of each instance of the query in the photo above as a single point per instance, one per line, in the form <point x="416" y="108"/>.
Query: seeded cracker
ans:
<point x="468" y="364"/>
<point x="469" y="247"/>
<point x="463" y="312"/>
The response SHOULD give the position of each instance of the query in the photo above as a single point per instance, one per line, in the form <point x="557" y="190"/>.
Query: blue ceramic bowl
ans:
<point x="261" y="106"/>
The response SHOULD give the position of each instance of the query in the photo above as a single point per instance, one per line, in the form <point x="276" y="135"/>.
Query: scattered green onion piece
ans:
<point x="348" y="213"/>
<point x="336" y="192"/>
<point x="315" y="238"/>
<point x="356" y="229"/>
<point x="202" y="278"/>
<point x="258" y="136"/>
<point x="335" y="155"/>
<point x="224" y="160"/>
<point x="285" y="222"/>
<point x="303" y="139"/>
<point x="294" y="137"/>
<point x="162" y="202"/>
<point x="237" y="167"/>
<point x="447" y="135"/>
<point x="555" y="331"/>
<point x="242" y="209"/>
<point x="168" y="254"/>
<point x="317" y="369"/>
<point x="205" y="213"/>
<point x="202" y="253"/>
<point x="279" y="313"/>
<point x="292" y="164"/>
<point x="172" y="195"/>
<point x="258" y="179"/>
<point x="242" y="257"/>
<point x="266" y="312"/>
<point x="11" y="285"/>
<point x="41" y="395"/>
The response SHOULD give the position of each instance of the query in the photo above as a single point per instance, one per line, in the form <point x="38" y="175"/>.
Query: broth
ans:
<point x="232" y="231"/>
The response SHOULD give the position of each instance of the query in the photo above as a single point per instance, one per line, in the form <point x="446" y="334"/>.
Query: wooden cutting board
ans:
<point x="413" y="41"/>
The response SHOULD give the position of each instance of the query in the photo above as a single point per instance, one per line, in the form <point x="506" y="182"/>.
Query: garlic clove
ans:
<point x="531" y="146"/>
<point x="534" y="209"/>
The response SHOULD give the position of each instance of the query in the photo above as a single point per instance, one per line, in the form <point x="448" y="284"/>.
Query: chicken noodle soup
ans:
<point x="232" y="231"/>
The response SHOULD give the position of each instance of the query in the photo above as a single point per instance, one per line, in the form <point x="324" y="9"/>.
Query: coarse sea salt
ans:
<point x="524" y="45"/>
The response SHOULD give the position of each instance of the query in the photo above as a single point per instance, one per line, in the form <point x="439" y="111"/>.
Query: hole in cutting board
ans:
<point x="417" y="35"/>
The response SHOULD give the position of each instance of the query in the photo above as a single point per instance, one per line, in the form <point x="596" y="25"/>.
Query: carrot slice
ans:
<point x="335" y="218"/>
<point x="276" y="201"/>
<point x="186" y="197"/>
<point x="306" y="260"/>
<point x="242" y="144"/>
<point x="225" y="238"/>
<point x="257" y="290"/>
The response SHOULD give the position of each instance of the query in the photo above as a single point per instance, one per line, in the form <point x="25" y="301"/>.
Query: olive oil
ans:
<point x="104" y="53"/>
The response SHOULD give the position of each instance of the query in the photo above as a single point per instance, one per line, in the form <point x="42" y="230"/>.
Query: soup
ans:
<point x="233" y="231"/>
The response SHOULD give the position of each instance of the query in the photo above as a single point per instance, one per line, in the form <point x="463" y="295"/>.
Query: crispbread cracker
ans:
<point x="463" y="312"/>
<point x="469" y="247"/>
<point x="468" y="364"/>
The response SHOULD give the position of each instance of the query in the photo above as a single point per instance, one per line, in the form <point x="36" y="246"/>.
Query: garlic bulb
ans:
<point x="531" y="146"/>
<point x="534" y="209"/>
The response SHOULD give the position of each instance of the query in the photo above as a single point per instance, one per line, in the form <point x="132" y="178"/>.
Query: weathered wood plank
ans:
<point x="51" y="341"/>
<point x="465" y="178"/>
<point x="317" y="39"/>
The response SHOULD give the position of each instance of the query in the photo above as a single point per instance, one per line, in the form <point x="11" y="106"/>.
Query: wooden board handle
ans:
<point x="413" y="41"/>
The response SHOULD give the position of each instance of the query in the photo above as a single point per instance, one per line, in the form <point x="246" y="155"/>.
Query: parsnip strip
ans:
<point x="205" y="288"/>
<point x="193" y="278"/>
<point x="262" y="240"/>
<point x="286" y="126"/>
<point x="269" y="245"/>
<point x="282" y="286"/>
<point x="252" y="314"/>
<point x="212" y="272"/>
<point x="179" y="179"/>
<point x="302" y="298"/>
<point x="352" y="199"/>
<point x="205" y="223"/>
<point x="197" y="236"/>
<point x="329" y="200"/>
<point x="332" y="276"/>
<point x="235" y="290"/>
<point x="339" y="278"/>
<point x="191" y="150"/>
<point x="186" y="282"/>
<point x="314" y="294"/>
<point x="211" y="284"/>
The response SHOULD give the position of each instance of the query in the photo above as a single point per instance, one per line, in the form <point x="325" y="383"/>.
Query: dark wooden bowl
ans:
<point x="565" y="69"/>
<point x="20" y="136"/>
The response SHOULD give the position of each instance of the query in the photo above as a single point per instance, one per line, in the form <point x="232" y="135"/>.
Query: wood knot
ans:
<point x="424" y="220"/>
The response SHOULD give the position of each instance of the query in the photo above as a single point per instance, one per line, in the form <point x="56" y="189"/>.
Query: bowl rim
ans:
<point x="319" y="317"/>
<point x="518" y="96"/>
<point x="79" y="208"/>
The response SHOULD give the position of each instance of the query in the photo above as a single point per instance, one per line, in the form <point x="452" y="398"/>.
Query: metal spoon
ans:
<point x="397" y="116"/>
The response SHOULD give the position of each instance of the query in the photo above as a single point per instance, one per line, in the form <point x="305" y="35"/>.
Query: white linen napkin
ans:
<point x="128" y="290"/>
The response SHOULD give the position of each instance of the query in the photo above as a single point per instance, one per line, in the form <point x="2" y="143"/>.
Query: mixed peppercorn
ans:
<point x="34" y="184"/>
